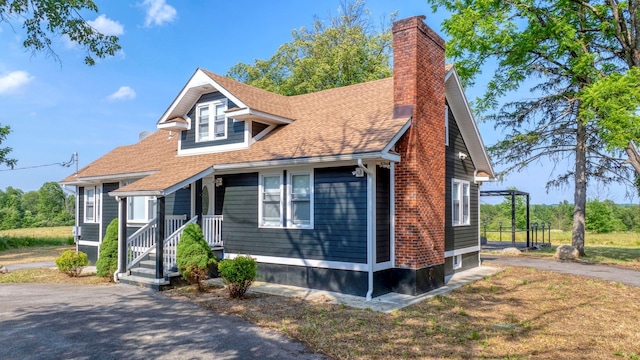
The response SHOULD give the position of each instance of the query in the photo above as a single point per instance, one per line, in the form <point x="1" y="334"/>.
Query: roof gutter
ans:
<point x="370" y="202"/>
<point x="102" y="178"/>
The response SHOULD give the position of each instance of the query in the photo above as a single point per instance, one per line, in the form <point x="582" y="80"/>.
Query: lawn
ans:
<point x="619" y="249"/>
<point x="48" y="236"/>
<point x="39" y="233"/>
<point x="518" y="313"/>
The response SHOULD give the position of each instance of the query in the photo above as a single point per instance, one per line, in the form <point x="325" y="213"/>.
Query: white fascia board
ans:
<point x="467" y="115"/>
<point x="199" y="83"/>
<point x="175" y="126"/>
<point x="302" y="161"/>
<point x="249" y="114"/>
<point x="168" y="191"/>
<point x="397" y="136"/>
<point x="304" y="262"/>
<point x="481" y="179"/>
<point x="463" y="251"/>
<point x="106" y="178"/>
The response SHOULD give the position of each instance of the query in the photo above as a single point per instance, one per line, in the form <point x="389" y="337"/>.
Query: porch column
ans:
<point x="160" y="225"/>
<point x="122" y="234"/>
<point x="198" y="201"/>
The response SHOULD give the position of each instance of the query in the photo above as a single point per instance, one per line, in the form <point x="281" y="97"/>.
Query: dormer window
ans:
<point x="211" y="121"/>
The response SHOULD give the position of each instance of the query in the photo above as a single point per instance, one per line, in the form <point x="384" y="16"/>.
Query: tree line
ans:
<point x="48" y="206"/>
<point x="602" y="216"/>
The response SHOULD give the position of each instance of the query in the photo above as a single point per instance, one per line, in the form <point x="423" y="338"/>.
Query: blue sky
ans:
<point x="56" y="108"/>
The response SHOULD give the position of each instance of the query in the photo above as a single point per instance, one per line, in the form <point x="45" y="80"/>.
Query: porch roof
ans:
<point x="331" y="125"/>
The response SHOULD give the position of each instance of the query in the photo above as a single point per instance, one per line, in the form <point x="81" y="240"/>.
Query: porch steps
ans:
<point x="145" y="275"/>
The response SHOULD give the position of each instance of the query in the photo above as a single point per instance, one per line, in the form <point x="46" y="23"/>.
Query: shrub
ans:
<point x="108" y="259"/>
<point x="71" y="262"/>
<point x="238" y="274"/>
<point x="194" y="256"/>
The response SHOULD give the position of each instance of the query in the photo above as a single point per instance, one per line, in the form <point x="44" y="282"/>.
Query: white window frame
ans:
<point x="457" y="262"/>
<point x="261" y="222"/>
<point x="446" y="125"/>
<point x="150" y="202"/>
<point x="212" y="120"/>
<point x="460" y="185"/>
<point x="290" y="200"/>
<point x="95" y="199"/>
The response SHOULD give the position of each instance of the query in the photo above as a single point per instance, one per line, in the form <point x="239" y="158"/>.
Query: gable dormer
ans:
<point x="213" y="113"/>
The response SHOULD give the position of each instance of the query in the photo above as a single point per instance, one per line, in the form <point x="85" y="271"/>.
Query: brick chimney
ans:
<point x="418" y="76"/>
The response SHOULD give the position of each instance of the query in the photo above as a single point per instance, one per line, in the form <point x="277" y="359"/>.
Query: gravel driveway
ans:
<point x="123" y="322"/>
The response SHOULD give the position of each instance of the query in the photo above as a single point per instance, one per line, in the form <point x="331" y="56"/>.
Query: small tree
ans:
<point x="194" y="256"/>
<point x="108" y="260"/>
<point x="71" y="262"/>
<point x="238" y="274"/>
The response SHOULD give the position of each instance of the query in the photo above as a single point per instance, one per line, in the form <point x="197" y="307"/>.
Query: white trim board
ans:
<point x="338" y="265"/>
<point x="462" y="251"/>
<point x="88" y="243"/>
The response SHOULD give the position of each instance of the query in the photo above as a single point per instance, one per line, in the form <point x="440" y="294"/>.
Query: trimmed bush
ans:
<point x="238" y="274"/>
<point x="108" y="259"/>
<point x="194" y="256"/>
<point x="71" y="262"/>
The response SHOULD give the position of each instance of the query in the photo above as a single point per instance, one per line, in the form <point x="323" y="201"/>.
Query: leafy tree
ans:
<point x="108" y="259"/>
<point x="4" y="152"/>
<point x="47" y="19"/>
<point x="599" y="217"/>
<point x="563" y="48"/>
<point x="344" y="50"/>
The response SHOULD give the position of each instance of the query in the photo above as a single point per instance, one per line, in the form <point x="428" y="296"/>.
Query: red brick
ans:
<point x="419" y="70"/>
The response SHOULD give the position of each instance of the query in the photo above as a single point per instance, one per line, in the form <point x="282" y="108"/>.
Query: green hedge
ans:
<point x="10" y="242"/>
<point x="194" y="256"/>
<point x="108" y="259"/>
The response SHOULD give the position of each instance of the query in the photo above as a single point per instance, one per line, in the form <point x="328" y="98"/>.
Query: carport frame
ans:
<point x="513" y="194"/>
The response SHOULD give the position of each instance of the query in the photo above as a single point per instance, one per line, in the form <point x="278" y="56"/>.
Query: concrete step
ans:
<point x="156" y="284"/>
<point x="144" y="272"/>
<point x="148" y="264"/>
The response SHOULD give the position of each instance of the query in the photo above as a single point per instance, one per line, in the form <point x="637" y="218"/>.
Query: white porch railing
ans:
<point x="140" y="243"/>
<point x="212" y="229"/>
<point x="143" y="241"/>
<point x="171" y="246"/>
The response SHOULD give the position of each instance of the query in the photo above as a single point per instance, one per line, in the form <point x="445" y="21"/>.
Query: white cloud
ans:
<point x="124" y="93"/>
<point x="107" y="26"/>
<point x="158" y="12"/>
<point x="14" y="81"/>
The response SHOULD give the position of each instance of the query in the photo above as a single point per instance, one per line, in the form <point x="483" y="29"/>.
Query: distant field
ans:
<point x="614" y="239"/>
<point x="39" y="233"/>
<point x="48" y="236"/>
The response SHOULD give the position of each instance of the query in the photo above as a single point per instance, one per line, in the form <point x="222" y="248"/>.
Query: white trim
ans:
<point x="457" y="262"/>
<point x="260" y="199"/>
<point x="382" y="266"/>
<point x="339" y="265"/>
<point x="212" y="149"/>
<point x="107" y="178"/>
<point x="397" y="137"/>
<point x="446" y="125"/>
<point x="462" y="251"/>
<point x="249" y="114"/>
<point x="392" y="213"/>
<point x="212" y="105"/>
<point x="88" y="243"/>
<point x="289" y="203"/>
<point x="170" y="190"/>
<point x="455" y="181"/>
<point x="175" y="126"/>
<point x="262" y="133"/>
<point x="371" y="224"/>
<point x="97" y="205"/>
<point x="306" y="161"/>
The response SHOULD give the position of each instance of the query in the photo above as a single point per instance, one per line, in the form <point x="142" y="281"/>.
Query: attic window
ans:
<point x="211" y="121"/>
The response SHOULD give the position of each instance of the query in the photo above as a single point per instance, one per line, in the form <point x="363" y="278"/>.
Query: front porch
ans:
<point x="152" y="263"/>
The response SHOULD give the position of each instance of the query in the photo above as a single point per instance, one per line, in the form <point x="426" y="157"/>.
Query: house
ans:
<point x="365" y="189"/>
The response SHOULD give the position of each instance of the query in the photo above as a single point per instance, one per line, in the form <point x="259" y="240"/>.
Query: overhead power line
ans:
<point x="63" y="164"/>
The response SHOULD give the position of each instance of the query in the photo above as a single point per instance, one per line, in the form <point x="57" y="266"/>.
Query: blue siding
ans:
<point x="109" y="205"/>
<point x="89" y="230"/>
<point x="340" y="217"/>
<point x="179" y="203"/>
<point x="459" y="237"/>
<point x="235" y="129"/>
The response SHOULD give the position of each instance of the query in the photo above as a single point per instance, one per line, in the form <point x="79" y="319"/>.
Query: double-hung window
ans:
<point x="211" y="121"/>
<point x="91" y="204"/>
<point x="460" y="202"/>
<point x="271" y="200"/>
<point x="287" y="204"/>
<point x="141" y="209"/>
<point x="299" y="202"/>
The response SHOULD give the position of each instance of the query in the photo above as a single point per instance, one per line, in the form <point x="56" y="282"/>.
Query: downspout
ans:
<point x="369" y="226"/>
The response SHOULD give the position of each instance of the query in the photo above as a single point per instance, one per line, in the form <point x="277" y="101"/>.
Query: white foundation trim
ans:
<point x="461" y="251"/>
<point x="339" y="265"/>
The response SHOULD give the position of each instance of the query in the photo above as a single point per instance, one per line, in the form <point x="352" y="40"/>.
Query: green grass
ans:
<point x="21" y="238"/>
<point x="614" y="239"/>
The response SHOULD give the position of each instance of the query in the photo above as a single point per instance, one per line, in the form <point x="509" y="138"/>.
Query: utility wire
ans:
<point x="63" y="164"/>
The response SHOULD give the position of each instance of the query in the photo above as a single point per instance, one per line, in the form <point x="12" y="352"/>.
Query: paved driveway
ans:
<point x="123" y="322"/>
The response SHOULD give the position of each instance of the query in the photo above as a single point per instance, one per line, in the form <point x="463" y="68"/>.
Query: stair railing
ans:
<point x="212" y="229"/>
<point x="171" y="246"/>
<point x="140" y="243"/>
